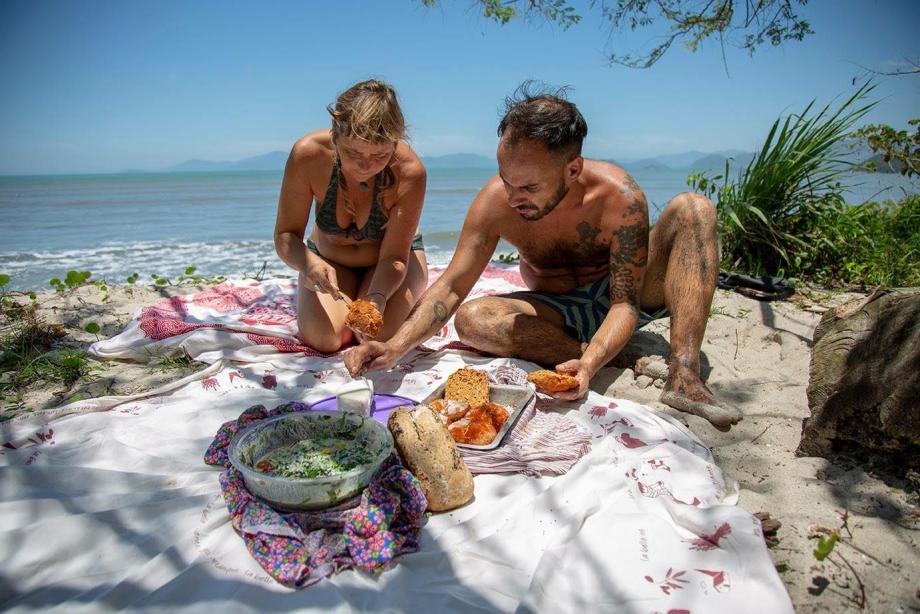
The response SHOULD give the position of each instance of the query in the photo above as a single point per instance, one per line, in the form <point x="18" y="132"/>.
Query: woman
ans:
<point x="369" y="186"/>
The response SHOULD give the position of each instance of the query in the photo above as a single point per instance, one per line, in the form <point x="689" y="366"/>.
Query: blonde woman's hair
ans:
<point x="369" y="111"/>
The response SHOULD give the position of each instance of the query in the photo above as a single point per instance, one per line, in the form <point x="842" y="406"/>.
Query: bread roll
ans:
<point x="430" y="453"/>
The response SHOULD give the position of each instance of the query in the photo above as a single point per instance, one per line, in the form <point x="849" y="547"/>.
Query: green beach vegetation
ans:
<point x="36" y="352"/>
<point x="784" y="214"/>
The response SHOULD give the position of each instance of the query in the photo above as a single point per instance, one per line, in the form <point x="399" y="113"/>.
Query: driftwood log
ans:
<point x="864" y="384"/>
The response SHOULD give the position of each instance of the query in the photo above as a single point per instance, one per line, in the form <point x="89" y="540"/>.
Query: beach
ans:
<point x="755" y="355"/>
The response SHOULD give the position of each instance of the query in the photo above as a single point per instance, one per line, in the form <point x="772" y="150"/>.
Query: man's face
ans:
<point x="534" y="178"/>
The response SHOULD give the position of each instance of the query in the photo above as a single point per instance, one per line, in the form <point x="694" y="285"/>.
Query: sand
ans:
<point x="755" y="356"/>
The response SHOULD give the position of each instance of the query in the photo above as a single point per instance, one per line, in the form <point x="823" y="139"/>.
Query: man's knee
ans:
<point x="475" y="316"/>
<point x="694" y="209"/>
<point x="468" y="315"/>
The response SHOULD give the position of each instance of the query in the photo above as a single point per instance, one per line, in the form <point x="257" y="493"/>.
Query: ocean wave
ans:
<point x="114" y="262"/>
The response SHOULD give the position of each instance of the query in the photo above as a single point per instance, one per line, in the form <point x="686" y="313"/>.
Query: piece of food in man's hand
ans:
<point x="430" y="453"/>
<point x="550" y="381"/>
<point x="364" y="317"/>
<point x="470" y="385"/>
<point x="473" y="430"/>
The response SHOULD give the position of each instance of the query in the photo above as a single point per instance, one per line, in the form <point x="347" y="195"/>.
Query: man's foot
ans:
<point x="690" y="395"/>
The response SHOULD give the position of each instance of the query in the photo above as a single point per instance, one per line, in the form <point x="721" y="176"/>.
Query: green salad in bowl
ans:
<point x="310" y="460"/>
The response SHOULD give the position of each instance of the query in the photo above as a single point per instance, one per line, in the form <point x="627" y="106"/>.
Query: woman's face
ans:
<point x="362" y="159"/>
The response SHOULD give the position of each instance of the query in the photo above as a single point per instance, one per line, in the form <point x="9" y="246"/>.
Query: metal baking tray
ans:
<point x="514" y="398"/>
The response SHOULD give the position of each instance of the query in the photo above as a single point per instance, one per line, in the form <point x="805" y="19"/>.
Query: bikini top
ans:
<point x="373" y="229"/>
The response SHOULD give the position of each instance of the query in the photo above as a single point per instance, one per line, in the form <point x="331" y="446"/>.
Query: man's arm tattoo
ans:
<point x="637" y="205"/>
<point x="631" y="245"/>
<point x="628" y="257"/>
<point x="623" y="287"/>
<point x="440" y="313"/>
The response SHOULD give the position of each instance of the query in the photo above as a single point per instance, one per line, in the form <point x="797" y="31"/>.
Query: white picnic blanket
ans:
<point x="107" y="504"/>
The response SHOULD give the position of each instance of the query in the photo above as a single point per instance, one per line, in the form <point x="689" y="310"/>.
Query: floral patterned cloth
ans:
<point x="300" y="548"/>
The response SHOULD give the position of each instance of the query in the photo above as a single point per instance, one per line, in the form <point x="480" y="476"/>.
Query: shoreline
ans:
<point x="755" y="355"/>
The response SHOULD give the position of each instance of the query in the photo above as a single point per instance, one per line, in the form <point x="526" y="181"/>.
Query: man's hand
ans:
<point x="369" y="356"/>
<point x="579" y="370"/>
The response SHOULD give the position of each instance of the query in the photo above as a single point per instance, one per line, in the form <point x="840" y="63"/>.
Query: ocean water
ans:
<point x="222" y="223"/>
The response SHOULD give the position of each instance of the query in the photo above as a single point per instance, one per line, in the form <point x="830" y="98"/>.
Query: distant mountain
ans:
<point x="460" y="160"/>
<point x="691" y="161"/>
<point x="645" y="164"/>
<point x="716" y="162"/>
<point x="273" y="161"/>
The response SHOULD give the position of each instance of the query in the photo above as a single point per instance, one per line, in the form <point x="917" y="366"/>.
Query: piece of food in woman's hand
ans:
<point x="473" y="430"/>
<point x="364" y="317"/>
<point x="431" y="455"/>
<point x="550" y="381"/>
<point x="470" y="385"/>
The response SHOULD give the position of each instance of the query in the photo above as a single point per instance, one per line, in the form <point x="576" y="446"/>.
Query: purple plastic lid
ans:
<point x="381" y="408"/>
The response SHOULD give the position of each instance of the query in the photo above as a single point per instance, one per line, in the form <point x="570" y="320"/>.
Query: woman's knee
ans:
<point x="322" y="339"/>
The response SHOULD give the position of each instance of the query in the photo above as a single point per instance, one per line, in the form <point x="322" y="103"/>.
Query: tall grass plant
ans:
<point x="770" y="217"/>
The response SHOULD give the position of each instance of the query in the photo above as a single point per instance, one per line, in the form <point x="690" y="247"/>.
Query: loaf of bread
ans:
<point x="550" y="381"/>
<point x="470" y="385"/>
<point x="429" y="451"/>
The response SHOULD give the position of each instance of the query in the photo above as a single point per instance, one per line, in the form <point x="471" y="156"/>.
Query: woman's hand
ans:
<point x="321" y="277"/>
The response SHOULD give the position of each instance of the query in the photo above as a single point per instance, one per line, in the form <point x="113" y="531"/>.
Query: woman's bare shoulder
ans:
<point x="408" y="165"/>
<point x="313" y="147"/>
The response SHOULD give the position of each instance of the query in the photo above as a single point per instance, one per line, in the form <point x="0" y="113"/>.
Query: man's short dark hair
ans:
<point x="539" y="113"/>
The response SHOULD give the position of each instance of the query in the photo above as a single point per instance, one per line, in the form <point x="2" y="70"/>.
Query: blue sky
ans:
<point x="104" y="86"/>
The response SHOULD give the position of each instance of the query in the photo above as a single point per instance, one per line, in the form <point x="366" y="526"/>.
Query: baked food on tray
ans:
<point x="470" y="385"/>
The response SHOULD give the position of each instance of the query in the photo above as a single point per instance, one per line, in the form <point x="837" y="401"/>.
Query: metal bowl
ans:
<point x="258" y="439"/>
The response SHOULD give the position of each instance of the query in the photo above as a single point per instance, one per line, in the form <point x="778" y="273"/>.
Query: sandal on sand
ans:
<point x="762" y="288"/>
<point x="718" y="416"/>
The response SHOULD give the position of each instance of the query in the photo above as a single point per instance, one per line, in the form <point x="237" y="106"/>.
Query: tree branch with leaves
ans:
<point x="747" y="24"/>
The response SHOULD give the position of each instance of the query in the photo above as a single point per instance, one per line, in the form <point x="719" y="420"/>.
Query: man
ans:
<point x="581" y="229"/>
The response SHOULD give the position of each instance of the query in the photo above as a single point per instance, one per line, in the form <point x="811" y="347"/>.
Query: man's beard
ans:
<point x="540" y="213"/>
